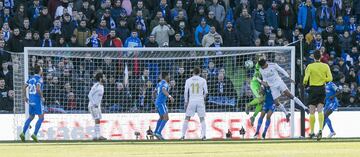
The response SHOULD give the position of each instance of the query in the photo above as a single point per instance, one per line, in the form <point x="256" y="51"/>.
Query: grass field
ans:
<point x="276" y="148"/>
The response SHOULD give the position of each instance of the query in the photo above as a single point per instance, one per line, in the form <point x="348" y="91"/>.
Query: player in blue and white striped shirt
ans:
<point x="35" y="101"/>
<point x="162" y="95"/>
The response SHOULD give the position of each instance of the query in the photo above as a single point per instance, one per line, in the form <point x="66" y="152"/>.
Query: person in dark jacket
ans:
<point x="245" y="27"/>
<point x="212" y="21"/>
<point x="73" y="41"/>
<point x="324" y="15"/>
<point x="259" y="17"/>
<point x="230" y="36"/>
<point x="15" y="43"/>
<point x="272" y="16"/>
<point x="43" y="22"/>
<point x="25" y="27"/>
<point x="122" y="31"/>
<point x="93" y="41"/>
<point x="287" y="20"/>
<point x="151" y="42"/>
<point x="177" y="41"/>
<point x="47" y="42"/>
<point x="36" y="39"/>
<point x="28" y="41"/>
<point x="67" y="28"/>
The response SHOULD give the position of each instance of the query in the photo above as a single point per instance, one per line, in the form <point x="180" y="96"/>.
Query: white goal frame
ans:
<point x="169" y="49"/>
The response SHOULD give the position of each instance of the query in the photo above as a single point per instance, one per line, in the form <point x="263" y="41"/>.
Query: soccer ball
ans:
<point x="249" y="64"/>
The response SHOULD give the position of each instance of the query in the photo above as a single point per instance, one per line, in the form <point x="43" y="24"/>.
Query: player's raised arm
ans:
<point x="186" y="92"/>
<point x="281" y="70"/>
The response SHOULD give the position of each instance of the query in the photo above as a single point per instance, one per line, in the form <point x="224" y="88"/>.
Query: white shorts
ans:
<point x="277" y="89"/>
<point x="195" y="107"/>
<point x="95" y="112"/>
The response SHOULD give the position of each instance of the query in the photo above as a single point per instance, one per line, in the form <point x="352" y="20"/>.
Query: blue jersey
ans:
<point x="161" y="98"/>
<point x="34" y="96"/>
<point x="331" y="90"/>
<point x="269" y="101"/>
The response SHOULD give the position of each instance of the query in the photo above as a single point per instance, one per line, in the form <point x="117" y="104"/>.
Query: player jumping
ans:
<point x="161" y="97"/>
<point x="267" y="109"/>
<point x="35" y="101"/>
<point x="95" y="96"/>
<point x="331" y="104"/>
<point x="270" y="75"/>
<point x="255" y="87"/>
<point x="195" y="93"/>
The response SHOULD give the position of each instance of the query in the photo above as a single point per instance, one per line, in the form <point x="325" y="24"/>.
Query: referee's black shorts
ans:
<point x="316" y="95"/>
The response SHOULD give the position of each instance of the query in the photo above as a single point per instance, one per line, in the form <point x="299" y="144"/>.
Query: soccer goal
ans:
<point x="131" y="76"/>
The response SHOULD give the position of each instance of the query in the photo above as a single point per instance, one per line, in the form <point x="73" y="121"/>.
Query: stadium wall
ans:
<point x="124" y="126"/>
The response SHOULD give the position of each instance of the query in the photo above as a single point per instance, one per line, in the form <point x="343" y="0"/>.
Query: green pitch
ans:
<point x="259" y="148"/>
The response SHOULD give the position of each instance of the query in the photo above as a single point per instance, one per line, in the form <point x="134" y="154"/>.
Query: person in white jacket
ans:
<point x="162" y="32"/>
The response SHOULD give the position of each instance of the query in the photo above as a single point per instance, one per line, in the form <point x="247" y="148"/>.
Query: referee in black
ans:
<point x="317" y="74"/>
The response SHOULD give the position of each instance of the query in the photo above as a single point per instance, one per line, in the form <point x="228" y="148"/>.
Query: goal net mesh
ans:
<point x="132" y="75"/>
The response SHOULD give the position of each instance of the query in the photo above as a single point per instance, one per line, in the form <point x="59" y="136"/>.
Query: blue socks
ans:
<point x="26" y="125"/>
<point x="267" y="124"/>
<point x="162" y="125"/>
<point x="157" y="126"/>
<point x="328" y="122"/>
<point x="259" y="125"/>
<point x="38" y="125"/>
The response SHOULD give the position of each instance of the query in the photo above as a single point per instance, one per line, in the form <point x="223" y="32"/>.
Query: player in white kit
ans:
<point x="95" y="96"/>
<point x="195" y="93"/>
<point x="270" y="76"/>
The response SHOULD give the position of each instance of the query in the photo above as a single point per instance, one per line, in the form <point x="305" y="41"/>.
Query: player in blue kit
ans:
<point x="162" y="95"/>
<point x="331" y="104"/>
<point x="35" y="101"/>
<point x="268" y="109"/>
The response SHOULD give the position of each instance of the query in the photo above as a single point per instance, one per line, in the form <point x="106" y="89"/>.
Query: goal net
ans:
<point x="131" y="76"/>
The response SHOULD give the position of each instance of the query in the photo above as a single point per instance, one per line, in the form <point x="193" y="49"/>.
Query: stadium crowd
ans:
<point x="331" y="26"/>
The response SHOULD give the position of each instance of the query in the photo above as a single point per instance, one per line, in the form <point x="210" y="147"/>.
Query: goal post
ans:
<point x="133" y="72"/>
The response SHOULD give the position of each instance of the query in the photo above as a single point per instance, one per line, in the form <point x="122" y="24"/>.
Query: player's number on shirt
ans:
<point x="32" y="89"/>
<point x="195" y="88"/>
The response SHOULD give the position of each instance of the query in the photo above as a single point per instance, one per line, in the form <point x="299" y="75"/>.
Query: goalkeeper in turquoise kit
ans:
<point x="256" y="90"/>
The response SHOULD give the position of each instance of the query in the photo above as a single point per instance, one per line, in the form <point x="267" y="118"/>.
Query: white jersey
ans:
<point x="271" y="75"/>
<point x="195" y="89"/>
<point x="96" y="94"/>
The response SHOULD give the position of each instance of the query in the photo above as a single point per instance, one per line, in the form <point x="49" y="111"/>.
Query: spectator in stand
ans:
<point x="133" y="40"/>
<point x="138" y="19"/>
<point x="352" y="25"/>
<point x="332" y="47"/>
<point x="88" y="12"/>
<point x="6" y="32"/>
<point x="28" y="40"/>
<point x="324" y="55"/>
<point x="34" y="10"/>
<point x="165" y="10"/>
<point x="156" y="20"/>
<point x="345" y="42"/>
<point x="112" y="40"/>
<point x="15" y="43"/>
<point x="306" y="17"/>
<point x="185" y="34"/>
<point x="287" y="20"/>
<point x="151" y="42"/>
<point x="68" y="27"/>
<point x="162" y="32"/>
<point x="340" y="26"/>
<point x="36" y="39"/>
<point x="218" y="10"/>
<point x="209" y="38"/>
<point x="65" y="7"/>
<point x="47" y="42"/>
<point x="324" y="16"/>
<point x="7" y="75"/>
<point x="122" y="30"/>
<point x="61" y="42"/>
<point x="116" y="10"/>
<point x="56" y="31"/>
<point x="196" y="20"/>
<point x="179" y="18"/>
<point x="82" y="33"/>
<point x="317" y="43"/>
<point x="259" y="17"/>
<point x="245" y="28"/>
<point x="272" y="16"/>
<point x="175" y="11"/>
<point x="177" y="41"/>
<point x="102" y="31"/>
<point x="211" y="21"/>
<point x="356" y="37"/>
<point x="71" y="102"/>
<point x="201" y="31"/>
<point x="93" y="40"/>
<point x="5" y="104"/>
<point x="230" y="36"/>
<point x="25" y="27"/>
<point x="145" y="12"/>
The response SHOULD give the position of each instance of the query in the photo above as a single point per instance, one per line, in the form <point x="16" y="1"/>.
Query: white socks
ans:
<point x="282" y="108"/>
<point x="186" y="124"/>
<point x="184" y="128"/>
<point x="203" y="128"/>
<point x="299" y="103"/>
<point x="97" y="130"/>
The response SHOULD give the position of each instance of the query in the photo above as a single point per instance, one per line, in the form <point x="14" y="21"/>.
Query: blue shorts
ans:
<point x="36" y="108"/>
<point x="267" y="108"/>
<point x="162" y="109"/>
<point x="331" y="104"/>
